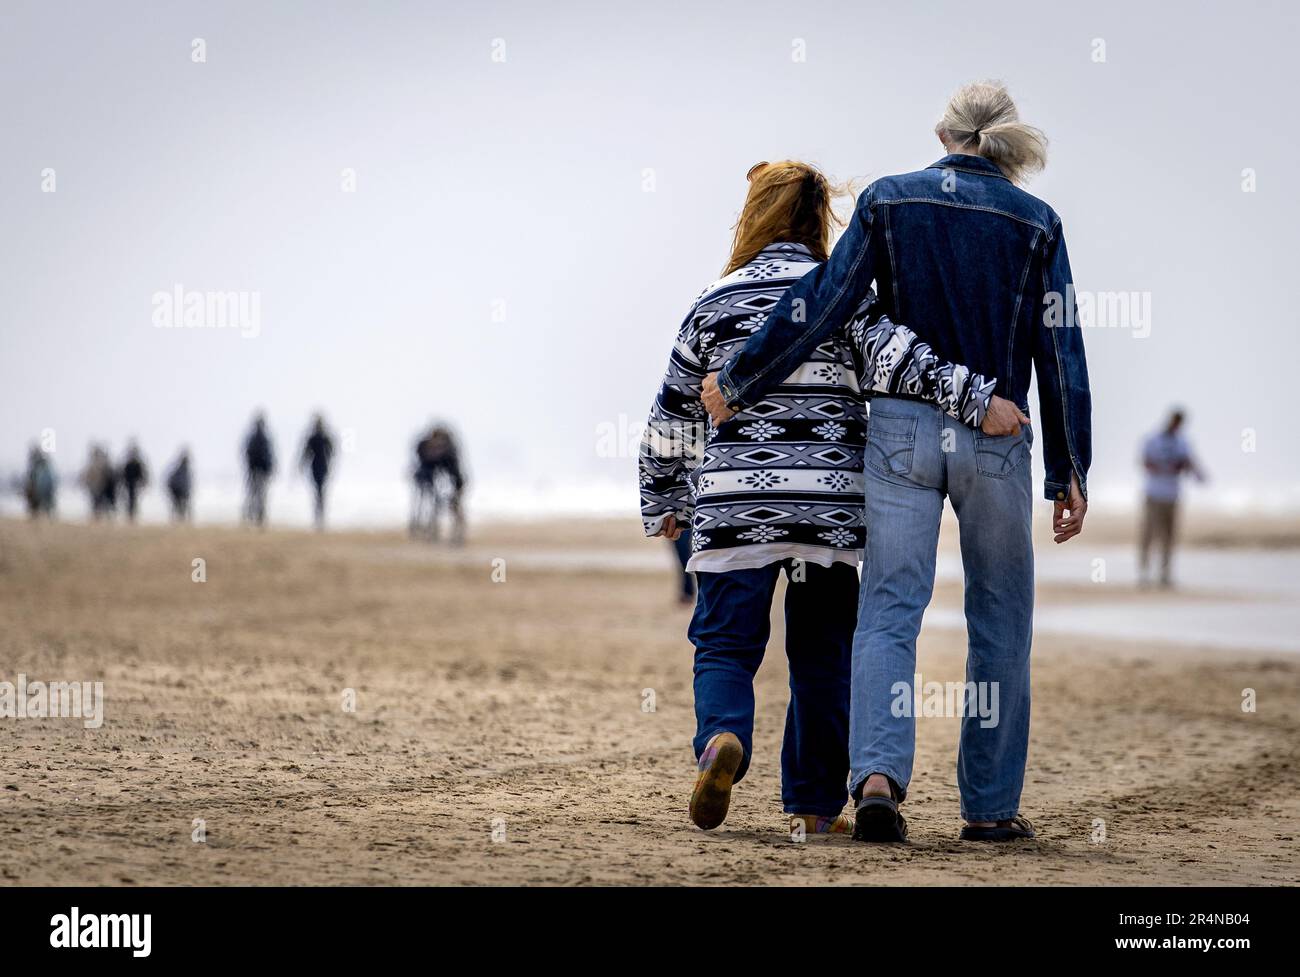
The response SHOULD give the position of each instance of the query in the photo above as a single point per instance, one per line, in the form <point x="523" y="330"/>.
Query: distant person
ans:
<point x="100" y="482"/>
<point x="317" y="452"/>
<point x="39" y="485"/>
<point x="180" y="485"/>
<point x="259" y="463"/>
<point x="439" y="483"/>
<point x="682" y="550"/>
<point x="135" y="476"/>
<point x="1166" y="458"/>
<point x="422" y="504"/>
<point x="112" y="482"/>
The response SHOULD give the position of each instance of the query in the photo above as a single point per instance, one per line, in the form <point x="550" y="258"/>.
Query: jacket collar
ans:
<point x="968" y="164"/>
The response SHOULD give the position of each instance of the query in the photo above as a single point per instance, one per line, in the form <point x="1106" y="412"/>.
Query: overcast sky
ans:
<point x="542" y="189"/>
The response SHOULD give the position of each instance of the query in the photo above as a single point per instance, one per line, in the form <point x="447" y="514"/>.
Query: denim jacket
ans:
<point x="979" y="268"/>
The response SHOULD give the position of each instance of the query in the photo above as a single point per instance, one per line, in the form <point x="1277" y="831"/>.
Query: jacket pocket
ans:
<point x="890" y="442"/>
<point x="1001" y="456"/>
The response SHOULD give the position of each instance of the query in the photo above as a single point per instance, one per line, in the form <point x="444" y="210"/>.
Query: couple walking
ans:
<point x="760" y="443"/>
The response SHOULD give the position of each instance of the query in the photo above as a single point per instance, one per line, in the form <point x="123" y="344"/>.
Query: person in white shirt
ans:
<point x="1166" y="458"/>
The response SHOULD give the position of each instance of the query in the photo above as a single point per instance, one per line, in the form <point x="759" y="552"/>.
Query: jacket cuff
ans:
<point x="1060" y="491"/>
<point x="728" y="390"/>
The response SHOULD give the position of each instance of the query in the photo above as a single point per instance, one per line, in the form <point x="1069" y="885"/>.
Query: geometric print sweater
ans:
<point x="781" y="479"/>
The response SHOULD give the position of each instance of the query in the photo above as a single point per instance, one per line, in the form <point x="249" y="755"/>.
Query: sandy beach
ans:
<point x="501" y="731"/>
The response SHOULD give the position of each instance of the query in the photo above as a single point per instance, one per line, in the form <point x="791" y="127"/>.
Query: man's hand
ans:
<point x="670" y="529"/>
<point x="1002" y="417"/>
<point x="1067" y="516"/>
<point x="713" y="400"/>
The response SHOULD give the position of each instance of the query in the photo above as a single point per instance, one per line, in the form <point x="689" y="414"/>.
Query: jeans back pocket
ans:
<point x="1002" y="455"/>
<point x="890" y="442"/>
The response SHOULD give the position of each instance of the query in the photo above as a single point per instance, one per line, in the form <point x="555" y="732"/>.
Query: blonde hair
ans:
<point x="787" y="201"/>
<point x="982" y="115"/>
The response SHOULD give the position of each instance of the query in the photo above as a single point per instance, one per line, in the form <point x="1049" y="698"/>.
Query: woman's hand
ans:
<point x="670" y="528"/>
<point x="1003" y="417"/>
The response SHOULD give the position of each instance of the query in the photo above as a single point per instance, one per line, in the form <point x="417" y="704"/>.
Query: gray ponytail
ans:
<point x="982" y="115"/>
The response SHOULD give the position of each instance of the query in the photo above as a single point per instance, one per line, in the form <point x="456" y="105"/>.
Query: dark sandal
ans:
<point x="1013" y="830"/>
<point x="878" y="819"/>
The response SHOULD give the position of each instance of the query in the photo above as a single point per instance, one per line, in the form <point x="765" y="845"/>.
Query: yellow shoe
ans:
<point x="712" y="794"/>
<point x="814" y="824"/>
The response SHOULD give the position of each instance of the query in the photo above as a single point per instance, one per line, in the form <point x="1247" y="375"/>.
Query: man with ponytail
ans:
<point x="979" y="268"/>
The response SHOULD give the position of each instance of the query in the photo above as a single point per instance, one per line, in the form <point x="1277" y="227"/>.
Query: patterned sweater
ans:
<point x="781" y="479"/>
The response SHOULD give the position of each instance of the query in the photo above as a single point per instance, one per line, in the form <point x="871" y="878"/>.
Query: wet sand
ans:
<point x="499" y="735"/>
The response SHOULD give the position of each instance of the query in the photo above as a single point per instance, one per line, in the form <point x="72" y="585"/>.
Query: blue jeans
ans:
<point x="730" y="631"/>
<point x="916" y="457"/>
<point x="682" y="549"/>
